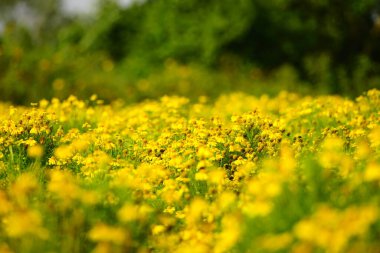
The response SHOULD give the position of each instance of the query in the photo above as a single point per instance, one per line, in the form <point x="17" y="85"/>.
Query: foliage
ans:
<point x="322" y="46"/>
<point x="243" y="174"/>
<point x="59" y="72"/>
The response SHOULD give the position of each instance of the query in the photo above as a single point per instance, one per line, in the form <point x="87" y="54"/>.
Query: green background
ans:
<point x="190" y="48"/>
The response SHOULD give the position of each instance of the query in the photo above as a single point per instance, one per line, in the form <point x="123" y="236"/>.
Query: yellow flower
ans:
<point x="374" y="137"/>
<point x="80" y="145"/>
<point x="230" y="233"/>
<point x="62" y="184"/>
<point x="197" y="207"/>
<point x="169" y="209"/>
<point x="19" y="224"/>
<point x="257" y="208"/>
<point x="287" y="161"/>
<point x="333" y="144"/>
<point x="204" y="153"/>
<point x="226" y="199"/>
<point x="35" y="151"/>
<point x="5" y="203"/>
<point x="106" y="233"/>
<point x="332" y="229"/>
<point x="363" y="150"/>
<point x="24" y="185"/>
<point x="93" y="97"/>
<point x="128" y="212"/>
<point x="63" y="152"/>
<point x="34" y="130"/>
<point x="44" y="103"/>
<point x="201" y="176"/>
<point x="158" y="229"/>
<point x="306" y="230"/>
<point x="217" y="176"/>
<point x="372" y="172"/>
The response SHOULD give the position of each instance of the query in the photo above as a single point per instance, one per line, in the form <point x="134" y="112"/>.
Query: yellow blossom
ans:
<point x="201" y="176"/>
<point x="374" y="137"/>
<point x="129" y="212"/>
<point x="35" y="151"/>
<point x="372" y="172"/>
<point x="158" y="229"/>
<point x="22" y="223"/>
<point x="63" y="152"/>
<point x="106" y="233"/>
<point x="197" y="207"/>
<point x="230" y="233"/>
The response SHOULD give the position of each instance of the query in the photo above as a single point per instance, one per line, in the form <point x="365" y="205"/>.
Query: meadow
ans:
<point x="289" y="173"/>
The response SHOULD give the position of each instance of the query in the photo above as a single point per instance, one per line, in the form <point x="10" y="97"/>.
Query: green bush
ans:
<point x="250" y="45"/>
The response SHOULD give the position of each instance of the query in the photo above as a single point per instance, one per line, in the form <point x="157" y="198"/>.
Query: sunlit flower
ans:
<point x="106" y="233"/>
<point x="35" y="151"/>
<point x="21" y="223"/>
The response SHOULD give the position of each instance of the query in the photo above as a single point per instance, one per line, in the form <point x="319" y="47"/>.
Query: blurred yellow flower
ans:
<point x="63" y="152"/>
<point x="25" y="184"/>
<point x="158" y="229"/>
<point x="374" y="137"/>
<point x="106" y="233"/>
<point x="128" y="212"/>
<point x="230" y="234"/>
<point x="201" y="176"/>
<point x="35" y="151"/>
<point x="196" y="209"/>
<point x="21" y="223"/>
<point x="372" y="172"/>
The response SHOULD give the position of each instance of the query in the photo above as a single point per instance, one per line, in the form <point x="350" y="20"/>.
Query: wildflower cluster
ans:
<point x="243" y="174"/>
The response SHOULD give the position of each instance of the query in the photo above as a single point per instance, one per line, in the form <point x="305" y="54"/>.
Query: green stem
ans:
<point x="11" y="153"/>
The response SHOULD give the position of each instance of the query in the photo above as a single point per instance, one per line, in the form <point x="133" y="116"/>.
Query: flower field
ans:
<point x="240" y="174"/>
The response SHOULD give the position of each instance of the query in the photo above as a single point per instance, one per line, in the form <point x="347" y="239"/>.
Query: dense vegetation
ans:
<point x="192" y="143"/>
<point x="191" y="48"/>
<point x="243" y="174"/>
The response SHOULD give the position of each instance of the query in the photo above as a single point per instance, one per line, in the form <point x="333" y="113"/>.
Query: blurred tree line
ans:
<point x="190" y="47"/>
